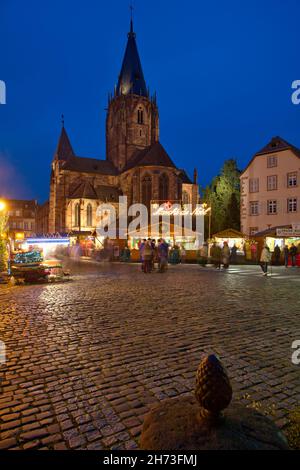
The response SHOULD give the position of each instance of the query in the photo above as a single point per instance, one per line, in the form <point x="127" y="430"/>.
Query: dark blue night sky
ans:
<point x="222" y="71"/>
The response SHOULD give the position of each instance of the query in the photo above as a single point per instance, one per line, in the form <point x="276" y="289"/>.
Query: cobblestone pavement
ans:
<point x="86" y="359"/>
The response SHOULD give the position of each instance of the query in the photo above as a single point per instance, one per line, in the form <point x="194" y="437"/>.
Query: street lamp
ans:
<point x="2" y="206"/>
<point x="3" y="243"/>
<point x="207" y="210"/>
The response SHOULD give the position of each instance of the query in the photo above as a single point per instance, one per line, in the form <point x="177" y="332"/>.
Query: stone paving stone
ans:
<point x="86" y="360"/>
<point x="7" y="443"/>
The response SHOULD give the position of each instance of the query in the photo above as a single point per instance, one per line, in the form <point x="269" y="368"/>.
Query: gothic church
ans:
<point x="136" y="164"/>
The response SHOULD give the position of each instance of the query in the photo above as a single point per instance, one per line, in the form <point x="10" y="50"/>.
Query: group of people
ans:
<point x="152" y="252"/>
<point x="219" y="255"/>
<point x="288" y="253"/>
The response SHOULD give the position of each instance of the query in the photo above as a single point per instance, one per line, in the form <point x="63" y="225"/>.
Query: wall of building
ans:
<point x="22" y="216"/>
<point x="287" y="163"/>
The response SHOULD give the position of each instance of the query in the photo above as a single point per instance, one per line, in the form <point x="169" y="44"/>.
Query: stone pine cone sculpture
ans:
<point x="213" y="390"/>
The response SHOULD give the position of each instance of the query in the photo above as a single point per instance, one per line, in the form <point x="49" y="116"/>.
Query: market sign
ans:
<point x="288" y="232"/>
<point x="176" y="209"/>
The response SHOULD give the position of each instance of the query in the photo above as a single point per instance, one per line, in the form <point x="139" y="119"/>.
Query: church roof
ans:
<point x="83" y="190"/>
<point x="90" y="165"/>
<point x="131" y="78"/>
<point x="86" y="190"/>
<point x="154" y="155"/>
<point x="184" y="177"/>
<point x="64" y="149"/>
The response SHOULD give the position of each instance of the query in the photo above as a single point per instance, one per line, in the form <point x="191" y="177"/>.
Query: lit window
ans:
<point x="254" y="185"/>
<point x="272" y="161"/>
<point x="292" y="204"/>
<point x="292" y="180"/>
<point x="77" y="215"/>
<point x="89" y="215"/>
<point x="272" y="207"/>
<point x="272" y="183"/>
<point x="254" y="208"/>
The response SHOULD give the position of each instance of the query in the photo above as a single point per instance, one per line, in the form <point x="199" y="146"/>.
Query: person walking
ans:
<point x="277" y="255"/>
<point x="253" y="249"/>
<point x="216" y="254"/>
<point x="225" y="255"/>
<point x="148" y="253"/>
<point x="142" y="248"/>
<point x="182" y="254"/>
<point x="286" y="255"/>
<point x="293" y="253"/>
<point x="163" y="252"/>
<point x="203" y="254"/>
<point x="265" y="259"/>
<point x="233" y="254"/>
<point x="154" y="254"/>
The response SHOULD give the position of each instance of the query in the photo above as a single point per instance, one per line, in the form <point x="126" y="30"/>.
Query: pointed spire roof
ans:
<point x="64" y="149"/>
<point x="131" y="78"/>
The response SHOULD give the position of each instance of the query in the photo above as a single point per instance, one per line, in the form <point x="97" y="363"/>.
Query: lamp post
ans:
<point x="3" y="247"/>
<point x="207" y="210"/>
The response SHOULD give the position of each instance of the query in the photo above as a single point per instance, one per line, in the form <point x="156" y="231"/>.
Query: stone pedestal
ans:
<point x="207" y="421"/>
<point x="177" y="424"/>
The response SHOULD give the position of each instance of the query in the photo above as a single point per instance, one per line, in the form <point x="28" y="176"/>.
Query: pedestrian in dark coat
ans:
<point x="293" y="253"/>
<point x="286" y="255"/>
<point x="277" y="255"/>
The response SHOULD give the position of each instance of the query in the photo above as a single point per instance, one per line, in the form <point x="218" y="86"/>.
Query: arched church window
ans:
<point x="77" y="214"/>
<point x="140" y="116"/>
<point x="185" y="197"/>
<point x="147" y="190"/>
<point x="89" y="215"/>
<point x="163" y="187"/>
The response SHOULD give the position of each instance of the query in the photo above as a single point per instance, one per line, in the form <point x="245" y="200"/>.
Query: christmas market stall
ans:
<point x="32" y="263"/>
<point x="281" y="237"/>
<point x="237" y="240"/>
<point x="176" y="237"/>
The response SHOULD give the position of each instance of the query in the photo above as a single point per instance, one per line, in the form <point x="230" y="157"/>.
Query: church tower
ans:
<point x="132" y="121"/>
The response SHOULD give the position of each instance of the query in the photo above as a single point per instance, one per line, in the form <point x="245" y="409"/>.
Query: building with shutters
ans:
<point x="270" y="188"/>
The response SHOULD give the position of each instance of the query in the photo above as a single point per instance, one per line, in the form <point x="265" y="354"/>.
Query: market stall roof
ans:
<point x="271" y="232"/>
<point x="229" y="233"/>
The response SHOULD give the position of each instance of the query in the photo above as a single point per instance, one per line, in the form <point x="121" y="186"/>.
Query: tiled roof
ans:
<point x="276" y="144"/>
<point x="86" y="190"/>
<point x="184" y="177"/>
<point x="90" y="165"/>
<point x="155" y="155"/>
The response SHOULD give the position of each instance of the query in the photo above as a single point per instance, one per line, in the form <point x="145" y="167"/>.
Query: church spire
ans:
<point x="64" y="149"/>
<point x="131" y="78"/>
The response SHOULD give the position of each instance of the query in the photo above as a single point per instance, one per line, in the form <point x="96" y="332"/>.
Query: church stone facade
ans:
<point x="136" y="164"/>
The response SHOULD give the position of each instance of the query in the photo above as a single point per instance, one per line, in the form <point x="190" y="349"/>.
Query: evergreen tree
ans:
<point x="223" y="196"/>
